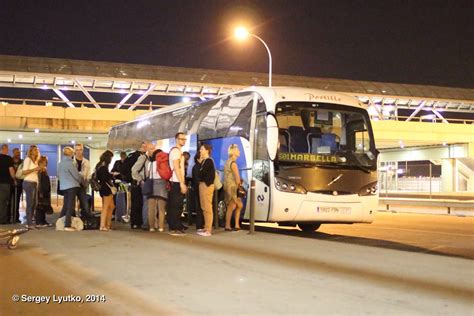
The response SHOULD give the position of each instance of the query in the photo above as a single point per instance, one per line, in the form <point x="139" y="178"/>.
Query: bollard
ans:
<point x="214" y="209"/>
<point x="252" y="207"/>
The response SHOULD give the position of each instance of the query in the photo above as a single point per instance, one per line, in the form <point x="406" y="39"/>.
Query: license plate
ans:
<point x="333" y="210"/>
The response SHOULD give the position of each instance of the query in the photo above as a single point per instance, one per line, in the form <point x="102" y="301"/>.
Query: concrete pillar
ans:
<point x="448" y="175"/>
<point x="94" y="155"/>
<point x="470" y="152"/>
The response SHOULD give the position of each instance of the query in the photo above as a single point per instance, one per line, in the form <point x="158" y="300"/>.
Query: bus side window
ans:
<point x="234" y="118"/>
<point x="207" y="114"/>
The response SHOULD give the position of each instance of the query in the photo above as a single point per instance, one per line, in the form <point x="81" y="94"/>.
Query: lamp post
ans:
<point x="242" y="33"/>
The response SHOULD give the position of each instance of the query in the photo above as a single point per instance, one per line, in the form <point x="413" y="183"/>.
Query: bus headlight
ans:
<point x="370" y="189"/>
<point x="288" y="186"/>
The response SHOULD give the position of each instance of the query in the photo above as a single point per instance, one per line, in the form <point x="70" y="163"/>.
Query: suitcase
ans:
<point x="120" y="206"/>
<point x="92" y="221"/>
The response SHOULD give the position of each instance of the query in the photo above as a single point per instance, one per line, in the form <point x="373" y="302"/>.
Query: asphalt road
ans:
<point x="435" y="234"/>
<point x="402" y="264"/>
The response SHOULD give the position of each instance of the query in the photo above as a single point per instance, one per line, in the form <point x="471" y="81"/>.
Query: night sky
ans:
<point x="423" y="42"/>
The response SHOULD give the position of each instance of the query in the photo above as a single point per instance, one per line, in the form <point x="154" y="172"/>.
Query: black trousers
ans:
<point x="175" y="207"/>
<point x="136" y="218"/>
<point x="195" y="205"/>
<point x="15" y="201"/>
<point x="4" y="203"/>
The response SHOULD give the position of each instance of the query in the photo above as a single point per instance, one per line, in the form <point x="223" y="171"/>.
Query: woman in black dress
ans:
<point x="106" y="184"/>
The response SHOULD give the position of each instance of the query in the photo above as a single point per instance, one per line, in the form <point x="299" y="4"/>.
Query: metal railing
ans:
<point x="80" y="104"/>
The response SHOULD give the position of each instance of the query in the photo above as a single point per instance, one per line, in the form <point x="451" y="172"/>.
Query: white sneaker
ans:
<point x="161" y="230"/>
<point x="152" y="230"/>
<point x="204" y="234"/>
<point x="69" y="229"/>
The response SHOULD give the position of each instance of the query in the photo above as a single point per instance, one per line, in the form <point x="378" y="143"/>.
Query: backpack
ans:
<point x="94" y="181"/>
<point x="163" y="166"/>
<point x="126" y="168"/>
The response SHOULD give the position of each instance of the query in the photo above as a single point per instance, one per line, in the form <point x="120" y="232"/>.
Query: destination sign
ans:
<point x="311" y="158"/>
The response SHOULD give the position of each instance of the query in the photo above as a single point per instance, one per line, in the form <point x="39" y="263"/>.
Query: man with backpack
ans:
<point x="178" y="187"/>
<point x="136" y="199"/>
<point x="139" y="171"/>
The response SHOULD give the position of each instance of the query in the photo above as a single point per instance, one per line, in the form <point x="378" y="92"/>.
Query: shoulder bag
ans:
<point x="148" y="184"/>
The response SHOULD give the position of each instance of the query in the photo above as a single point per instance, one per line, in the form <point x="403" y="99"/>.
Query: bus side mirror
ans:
<point x="272" y="136"/>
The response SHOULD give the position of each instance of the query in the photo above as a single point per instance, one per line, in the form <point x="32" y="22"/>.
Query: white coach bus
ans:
<point x="311" y="152"/>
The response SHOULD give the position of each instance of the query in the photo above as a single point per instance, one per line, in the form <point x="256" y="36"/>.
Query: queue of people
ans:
<point x="158" y="185"/>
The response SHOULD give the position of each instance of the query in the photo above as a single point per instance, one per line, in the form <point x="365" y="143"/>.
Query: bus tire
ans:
<point x="309" y="227"/>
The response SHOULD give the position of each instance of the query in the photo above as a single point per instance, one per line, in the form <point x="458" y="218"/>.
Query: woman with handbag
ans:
<point x="207" y="174"/>
<point x="30" y="183"/>
<point x="158" y="195"/>
<point x="107" y="189"/>
<point x="232" y="183"/>
<point x="44" y="194"/>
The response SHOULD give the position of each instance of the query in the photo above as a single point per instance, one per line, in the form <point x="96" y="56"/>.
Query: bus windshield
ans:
<point x="326" y="135"/>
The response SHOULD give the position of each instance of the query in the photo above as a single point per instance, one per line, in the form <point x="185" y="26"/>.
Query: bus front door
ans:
<point x="262" y="200"/>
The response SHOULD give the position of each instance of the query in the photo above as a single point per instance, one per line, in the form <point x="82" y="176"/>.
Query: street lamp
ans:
<point x="242" y="33"/>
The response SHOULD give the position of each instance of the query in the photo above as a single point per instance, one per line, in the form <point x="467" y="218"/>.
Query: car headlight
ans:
<point x="288" y="186"/>
<point x="370" y="189"/>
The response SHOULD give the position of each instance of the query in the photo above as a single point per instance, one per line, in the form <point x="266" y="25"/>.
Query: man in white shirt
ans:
<point x="178" y="187"/>
<point x="84" y="168"/>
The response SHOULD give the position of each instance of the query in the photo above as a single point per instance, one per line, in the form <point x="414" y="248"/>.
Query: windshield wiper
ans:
<point x="306" y="165"/>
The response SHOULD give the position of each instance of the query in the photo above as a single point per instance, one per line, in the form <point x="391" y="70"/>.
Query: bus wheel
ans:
<point x="309" y="228"/>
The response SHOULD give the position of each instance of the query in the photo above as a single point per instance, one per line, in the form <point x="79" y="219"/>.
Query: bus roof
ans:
<point x="271" y="96"/>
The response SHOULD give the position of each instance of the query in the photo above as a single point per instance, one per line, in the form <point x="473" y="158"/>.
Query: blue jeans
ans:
<point x="68" y="205"/>
<point x="83" y="202"/>
<point x="31" y="191"/>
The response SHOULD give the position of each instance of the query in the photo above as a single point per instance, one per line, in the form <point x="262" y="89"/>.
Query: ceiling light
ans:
<point x="9" y="140"/>
<point x="20" y="136"/>
<point x="37" y="131"/>
<point x="73" y="142"/>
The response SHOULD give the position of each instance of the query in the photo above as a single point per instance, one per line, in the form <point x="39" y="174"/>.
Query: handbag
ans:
<point x="241" y="192"/>
<point x="147" y="188"/>
<point x="217" y="177"/>
<point x="19" y="172"/>
<point x="217" y="182"/>
<point x="112" y="189"/>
